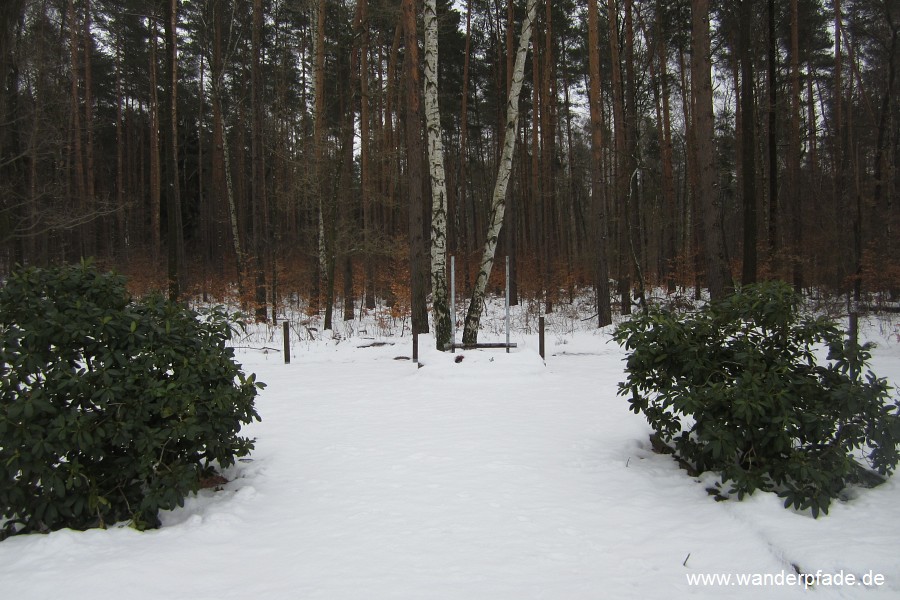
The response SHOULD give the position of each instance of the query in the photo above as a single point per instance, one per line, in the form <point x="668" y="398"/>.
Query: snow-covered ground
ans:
<point x="497" y="477"/>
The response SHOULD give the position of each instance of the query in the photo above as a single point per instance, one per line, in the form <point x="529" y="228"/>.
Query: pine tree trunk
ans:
<point x="633" y="201"/>
<point x="671" y="248"/>
<point x="414" y="154"/>
<point x="794" y="150"/>
<point x="155" y="167"/>
<point x="718" y="275"/>
<point x="318" y="184"/>
<point x="773" y="136"/>
<point x="364" y="158"/>
<point x="89" y="240"/>
<point x="838" y="141"/>
<point x="748" y="145"/>
<point x="621" y="174"/>
<point x="261" y="246"/>
<point x="464" y="231"/>
<point x="690" y="246"/>
<point x="173" y="188"/>
<point x="551" y="247"/>
<point x="498" y="200"/>
<point x="75" y="116"/>
<point x="120" y="237"/>
<point x="604" y="312"/>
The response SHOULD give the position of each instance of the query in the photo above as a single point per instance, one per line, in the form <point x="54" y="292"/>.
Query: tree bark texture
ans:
<point x="418" y="262"/>
<point x="498" y="199"/>
<point x="718" y="274"/>
<point x="604" y="312"/>
<point x="439" y="296"/>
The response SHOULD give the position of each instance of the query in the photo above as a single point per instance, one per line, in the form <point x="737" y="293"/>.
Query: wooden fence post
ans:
<point x="287" y="342"/>
<point x="541" y="336"/>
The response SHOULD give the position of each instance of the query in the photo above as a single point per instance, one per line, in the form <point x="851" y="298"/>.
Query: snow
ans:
<point x="497" y="477"/>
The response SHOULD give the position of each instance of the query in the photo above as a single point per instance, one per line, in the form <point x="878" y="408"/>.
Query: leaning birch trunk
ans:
<point x="440" y="301"/>
<point x="498" y="202"/>
<point x="229" y="194"/>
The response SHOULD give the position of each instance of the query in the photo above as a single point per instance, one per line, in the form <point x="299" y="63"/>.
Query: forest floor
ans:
<point x="501" y="476"/>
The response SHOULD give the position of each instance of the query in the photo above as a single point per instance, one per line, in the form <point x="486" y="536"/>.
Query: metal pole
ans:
<point x="287" y="342"/>
<point x="507" y="304"/>
<point x="452" y="304"/>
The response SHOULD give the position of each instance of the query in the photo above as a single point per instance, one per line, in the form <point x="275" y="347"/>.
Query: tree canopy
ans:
<point x="285" y="141"/>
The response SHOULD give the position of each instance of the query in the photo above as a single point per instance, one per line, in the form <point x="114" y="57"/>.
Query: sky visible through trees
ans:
<point x="288" y="158"/>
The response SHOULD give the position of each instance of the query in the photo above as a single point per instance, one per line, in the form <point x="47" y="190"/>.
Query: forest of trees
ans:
<point x="279" y="150"/>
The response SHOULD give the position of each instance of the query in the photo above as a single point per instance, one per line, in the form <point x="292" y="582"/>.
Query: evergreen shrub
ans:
<point x="111" y="409"/>
<point x="736" y="388"/>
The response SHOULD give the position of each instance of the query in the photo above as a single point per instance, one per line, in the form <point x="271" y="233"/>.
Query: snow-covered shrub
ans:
<point x="736" y="388"/>
<point x="111" y="409"/>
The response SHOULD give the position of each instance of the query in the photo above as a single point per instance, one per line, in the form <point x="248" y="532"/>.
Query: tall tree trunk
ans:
<point x="464" y="235"/>
<point x="345" y="193"/>
<point x="155" y="158"/>
<point x="498" y="199"/>
<point x="690" y="247"/>
<point x="718" y="275"/>
<point x="793" y="156"/>
<point x="512" y="237"/>
<point x="668" y="176"/>
<point x="364" y="157"/>
<point x="350" y="99"/>
<point x="535" y="196"/>
<point x="462" y="179"/>
<point x="622" y="177"/>
<point x="318" y="74"/>
<point x="240" y="259"/>
<point x="880" y="200"/>
<point x="839" y="133"/>
<point x="221" y="154"/>
<point x="748" y="141"/>
<point x="174" y="238"/>
<point x="604" y="313"/>
<point x="548" y="184"/>
<point x="12" y="168"/>
<point x="632" y="206"/>
<point x="259" y="201"/>
<point x="89" y="175"/>
<point x="855" y="211"/>
<point x="76" y="116"/>
<point x="439" y="297"/>
<point x="772" y="84"/>
<point x="414" y="154"/>
<point x="119" y="240"/>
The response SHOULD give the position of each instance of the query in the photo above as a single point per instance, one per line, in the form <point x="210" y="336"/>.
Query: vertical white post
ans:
<point x="507" y="304"/>
<point x="452" y="304"/>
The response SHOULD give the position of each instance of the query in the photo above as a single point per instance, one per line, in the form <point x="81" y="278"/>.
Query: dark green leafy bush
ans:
<point x="110" y="409"/>
<point x="735" y="388"/>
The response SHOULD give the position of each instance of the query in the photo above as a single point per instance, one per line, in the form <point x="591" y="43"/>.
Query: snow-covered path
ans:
<point x="497" y="477"/>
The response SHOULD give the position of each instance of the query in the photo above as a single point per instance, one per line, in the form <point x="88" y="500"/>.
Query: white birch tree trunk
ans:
<point x="440" y="301"/>
<point x="229" y="192"/>
<point x="498" y="201"/>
